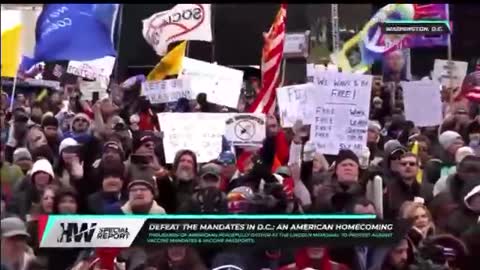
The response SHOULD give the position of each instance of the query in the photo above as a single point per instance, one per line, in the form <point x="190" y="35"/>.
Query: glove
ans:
<point x="309" y="151"/>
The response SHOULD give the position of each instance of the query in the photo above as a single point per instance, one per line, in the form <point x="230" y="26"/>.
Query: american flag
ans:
<point x="272" y="55"/>
<point x="470" y="88"/>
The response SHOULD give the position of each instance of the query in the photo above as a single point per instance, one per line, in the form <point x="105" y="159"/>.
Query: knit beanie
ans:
<point x="142" y="175"/>
<point x="141" y="137"/>
<point x="447" y="138"/>
<point x="462" y="153"/>
<point x="21" y="154"/>
<point x="374" y="125"/>
<point x="68" y="142"/>
<point x="115" y="146"/>
<point x="49" y="120"/>
<point x="393" y="145"/>
<point x="345" y="154"/>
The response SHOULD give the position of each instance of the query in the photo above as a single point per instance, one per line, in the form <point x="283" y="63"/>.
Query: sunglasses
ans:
<point x="411" y="164"/>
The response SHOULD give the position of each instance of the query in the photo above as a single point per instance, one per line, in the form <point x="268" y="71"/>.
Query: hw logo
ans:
<point x="72" y="232"/>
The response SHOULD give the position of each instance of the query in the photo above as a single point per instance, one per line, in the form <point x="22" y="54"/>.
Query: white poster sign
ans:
<point x="342" y="105"/>
<point x="449" y="73"/>
<point x="166" y="91"/>
<point x="221" y="84"/>
<point x="417" y="109"/>
<point x="89" y="87"/>
<point x="245" y="129"/>
<point x="98" y="69"/>
<point x="296" y="102"/>
<point x="182" y="22"/>
<point x="296" y="45"/>
<point x="200" y="132"/>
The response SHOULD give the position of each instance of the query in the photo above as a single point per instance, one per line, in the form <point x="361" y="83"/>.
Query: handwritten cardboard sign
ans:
<point x="98" y="69"/>
<point x="245" y="129"/>
<point x="422" y="113"/>
<point x="166" y="91"/>
<point x="221" y="84"/>
<point x="449" y="74"/>
<point x="342" y="107"/>
<point x="296" y="102"/>
<point x="200" y="132"/>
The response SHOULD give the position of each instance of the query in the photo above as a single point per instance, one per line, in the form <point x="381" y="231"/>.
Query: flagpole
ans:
<point x="284" y="68"/>
<point x="12" y="99"/>
<point x="212" y="55"/>
<point x="449" y="44"/>
<point x="187" y="49"/>
<point x="119" y="33"/>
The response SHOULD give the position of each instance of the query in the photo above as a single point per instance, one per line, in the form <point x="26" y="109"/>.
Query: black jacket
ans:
<point x="398" y="192"/>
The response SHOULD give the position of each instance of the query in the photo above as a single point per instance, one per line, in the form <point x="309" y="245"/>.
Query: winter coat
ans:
<point x="25" y="194"/>
<point x="154" y="209"/>
<point x="10" y="175"/>
<point x="323" y="200"/>
<point x="464" y="218"/>
<point x="99" y="202"/>
<point x="398" y="192"/>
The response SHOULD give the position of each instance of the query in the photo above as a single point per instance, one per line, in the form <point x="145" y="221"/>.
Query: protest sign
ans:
<point x="449" y="73"/>
<point x="422" y="113"/>
<point x="245" y="129"/>
<point x="166" y="91"/>
<point x="310" y="72"/>
<point x="296" y="45"/>
<point x="98" y="69"/>
<point x="221" y="84"/>
<point x="342" y="105"/>
<point x="87" y="88"/>
<point x="296" y="102"/>
<point x="200" y="132"/>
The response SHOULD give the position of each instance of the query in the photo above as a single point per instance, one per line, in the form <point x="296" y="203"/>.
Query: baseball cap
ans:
<point x="14" y="226"/>
<point x="210" y="169"/>
<point x="226" y="157"/>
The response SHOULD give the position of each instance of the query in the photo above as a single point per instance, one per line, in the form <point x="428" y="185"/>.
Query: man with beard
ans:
<point x="405" y="187"/>
<point x="181" y="185"/>
<point x="50" y="129"/>
<point x="399" y="257"/>
<point x="18" y="134"/>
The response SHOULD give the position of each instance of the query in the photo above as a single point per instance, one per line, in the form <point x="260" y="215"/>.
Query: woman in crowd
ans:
<point x="423" y="225"/>
<point x="66" y="202"/>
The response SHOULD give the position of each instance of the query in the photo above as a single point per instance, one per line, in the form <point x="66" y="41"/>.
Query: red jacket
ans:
<point x="302" y="261"/>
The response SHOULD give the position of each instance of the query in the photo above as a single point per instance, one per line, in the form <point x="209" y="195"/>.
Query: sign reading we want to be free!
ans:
<point x="335" y="104"/>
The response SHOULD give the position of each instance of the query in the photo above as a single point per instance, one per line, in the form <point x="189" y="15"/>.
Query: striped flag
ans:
<point x="272" y="55"/>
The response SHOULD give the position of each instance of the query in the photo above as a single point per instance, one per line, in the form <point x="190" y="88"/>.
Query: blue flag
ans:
<point x="79" y="32"/>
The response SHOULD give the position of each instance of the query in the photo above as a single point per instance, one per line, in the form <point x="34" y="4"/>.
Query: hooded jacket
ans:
<point x="25" y="193"/>
<point x="465" y="217"/>
<point x="172" y="192"/>
<point x="83" y="137"/>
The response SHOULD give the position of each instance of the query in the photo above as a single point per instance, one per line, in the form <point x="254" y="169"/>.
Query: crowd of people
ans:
<point x="76" y="157"/>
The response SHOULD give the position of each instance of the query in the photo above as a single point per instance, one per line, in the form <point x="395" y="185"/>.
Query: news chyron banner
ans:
<point x="84" y="231"/>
